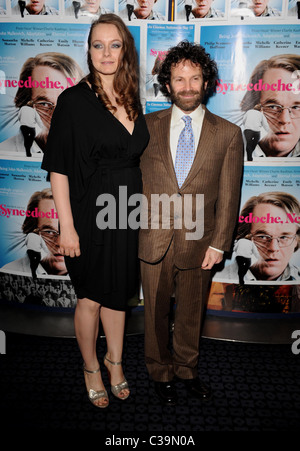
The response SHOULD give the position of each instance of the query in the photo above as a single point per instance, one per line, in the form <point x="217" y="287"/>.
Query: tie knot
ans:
<point x="187" y="120"/>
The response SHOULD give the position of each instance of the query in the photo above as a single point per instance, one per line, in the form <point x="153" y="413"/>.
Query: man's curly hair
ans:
<point x="188" y="51"/>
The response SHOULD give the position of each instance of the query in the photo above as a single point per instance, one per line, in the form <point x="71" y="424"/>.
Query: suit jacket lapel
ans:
<point x="205" y="146"/>
<point x="163" y="139"/>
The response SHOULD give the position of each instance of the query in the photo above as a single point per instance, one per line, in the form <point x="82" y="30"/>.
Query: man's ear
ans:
<point x="168" y="88"/>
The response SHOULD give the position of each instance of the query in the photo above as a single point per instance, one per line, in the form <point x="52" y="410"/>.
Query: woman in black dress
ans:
<point x="97" y="135"/>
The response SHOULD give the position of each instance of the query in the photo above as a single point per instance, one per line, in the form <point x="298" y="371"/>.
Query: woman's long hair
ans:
<point x="126" y="80"/>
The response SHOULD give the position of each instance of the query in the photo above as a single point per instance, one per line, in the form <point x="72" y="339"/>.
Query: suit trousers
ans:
<point x="160" y="281"/>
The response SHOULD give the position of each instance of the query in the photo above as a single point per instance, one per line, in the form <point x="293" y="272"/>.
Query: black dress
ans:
<point x="100" y="157"/>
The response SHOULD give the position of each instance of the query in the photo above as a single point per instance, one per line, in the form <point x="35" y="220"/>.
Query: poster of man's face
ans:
<point x="131" y="10"/>
<point x="32" y="78"/>
<point x="193" y="10"/>
<point x="278" y="101"/>
<point x="88" y="8"/>
<point x="253" y="9"/>
<point x="276" y="241"/>
<point x="268" y="227"/>
<point x="259" y="86"/>
<point x="39" y="8"/>
<point x="28" y="219"/>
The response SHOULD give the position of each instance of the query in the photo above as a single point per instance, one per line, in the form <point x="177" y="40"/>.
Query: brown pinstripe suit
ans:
<point x="170" y="262"/>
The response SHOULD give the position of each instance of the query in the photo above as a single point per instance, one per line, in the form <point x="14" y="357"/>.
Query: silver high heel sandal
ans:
<point x="116" y="389"/>
<point x="93" y="395"/>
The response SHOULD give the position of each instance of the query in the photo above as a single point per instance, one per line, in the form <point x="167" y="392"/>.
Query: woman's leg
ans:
<point x="113" y="323"/>
<point x="86" y="321"/>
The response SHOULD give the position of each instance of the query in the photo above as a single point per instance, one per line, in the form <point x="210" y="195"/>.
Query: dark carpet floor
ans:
<point x="255" y="388"/>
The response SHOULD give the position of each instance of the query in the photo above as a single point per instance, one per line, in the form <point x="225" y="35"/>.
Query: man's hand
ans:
<point x="211" y="258"/>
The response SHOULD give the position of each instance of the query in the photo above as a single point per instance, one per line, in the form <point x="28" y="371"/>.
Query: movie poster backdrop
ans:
<point x="241" y="51"/>
<point x="160" y="37"/>
<point x="26" y="47"/>
<point x="27" y="210"/>
<point x="270" y="207"/>
<point x="239" y="40"/>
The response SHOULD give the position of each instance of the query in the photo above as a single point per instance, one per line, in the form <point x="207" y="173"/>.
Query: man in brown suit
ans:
<point x="173" y="260"/>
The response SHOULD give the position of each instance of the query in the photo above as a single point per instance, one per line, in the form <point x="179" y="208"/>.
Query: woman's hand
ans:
<point x="68" y="238"/>
<point x="69" y="243"/>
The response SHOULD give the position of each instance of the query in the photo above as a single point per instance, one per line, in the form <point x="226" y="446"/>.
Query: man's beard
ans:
<point x="187" y="105"/>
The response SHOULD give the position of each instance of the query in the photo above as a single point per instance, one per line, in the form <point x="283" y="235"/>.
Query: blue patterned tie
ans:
<point x="185" y="151"/>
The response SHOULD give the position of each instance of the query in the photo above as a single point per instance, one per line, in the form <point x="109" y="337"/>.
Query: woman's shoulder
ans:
<point x="74" y="97"/>
<point x="74" y="92"/>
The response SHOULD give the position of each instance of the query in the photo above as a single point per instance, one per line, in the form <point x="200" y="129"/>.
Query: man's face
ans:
<point x="186" y="86"/>
<point x="35" y="6"/>
<point x="258" y="6"/>
<point x="50" y="83"/>
<point x="273" y="258"/>
<point x="144" y="8"/>
<point x="54" y="263"/>
<point x="284" y="132"/>
<point x="202" y="8"/>
<point x="92" y="6"/>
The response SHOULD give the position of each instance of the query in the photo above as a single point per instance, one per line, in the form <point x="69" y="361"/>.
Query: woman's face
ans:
<point x="106" y="49"/>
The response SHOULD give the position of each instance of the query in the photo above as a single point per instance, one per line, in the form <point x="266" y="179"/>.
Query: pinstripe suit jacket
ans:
<point x="215" y="173"/>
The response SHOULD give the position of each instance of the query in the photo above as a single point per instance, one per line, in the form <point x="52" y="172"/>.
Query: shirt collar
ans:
<point x="196" y="115"/>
